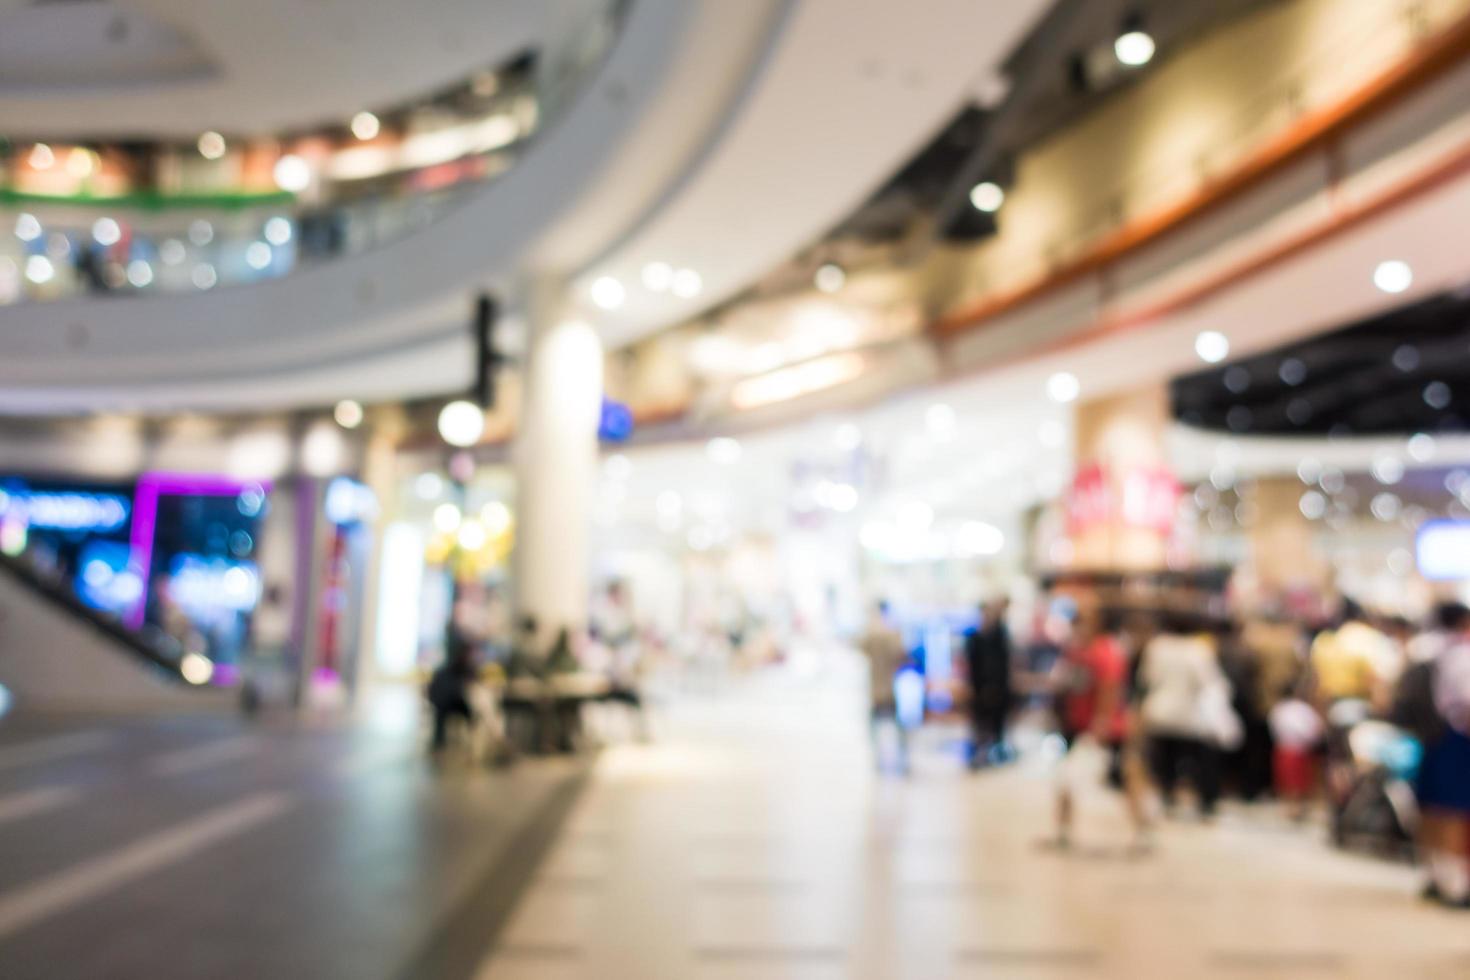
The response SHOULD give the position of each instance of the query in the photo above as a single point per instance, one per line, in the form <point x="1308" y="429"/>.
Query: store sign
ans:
<point x="615" y="424"/>
<point x="65" y="510"/>
<point x="1090" y="501"/>
<point x="1443" y="551"/>
<point x="1150" y="499"/>
<point x="1143" y="498"/>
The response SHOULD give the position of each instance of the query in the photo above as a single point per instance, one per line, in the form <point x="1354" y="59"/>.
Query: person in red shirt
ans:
<point x="1093" y="710"/>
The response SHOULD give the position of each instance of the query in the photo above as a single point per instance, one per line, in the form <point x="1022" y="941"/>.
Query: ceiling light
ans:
<point x="196" y="668"/>
<point x="1063" y="387"/>
<point x="1422" y="447"/>
<point x="172" y="251"/>
<point x="1135" y="48"/>
<point x="211" y="145"/>
<point x="447" y="518"/>
<point x="658" y="277"/>
<point x="258" y="255"/>
<point x="348" y="413"/>
<point x="687" y="284"/>
<point x="140" y="273"/>
<point x="201" y="232"/>
<point x="365" y="125"/>
<point x="1212" y="346"/>
<point x="1437" y="395"/>
<point x="1393" y="276"/>
<point x="461" y="423"/>
<point x="204" y="276"/>
<point x="292" y="173"/>
<point x="608" y="293"/>
<point x="830" y="278"/>
<point x="278" y="231"/>
<point x="1387" y="470"/>
<point x="80" y="162"/>
<point x="428" y="486"/>
<point x="106" y="232"/>
<point x="979" y="538"/>
<point x="841" y="497"/>
<point x="801" y="379"/>
<point x="1312" y="505"/>
<point x="472" y="535"/>
<point x="496" y="518"/>
<point x="1293" y="371"/>
<point x="1386" y="506"/>
<point x="987" y="196"/>
<point x="41" y="157"/>
<point x="39" y="269"/>
<point x="848" y="437"/>
<point x="723" y="450"/>
<point x="27" y="227"/>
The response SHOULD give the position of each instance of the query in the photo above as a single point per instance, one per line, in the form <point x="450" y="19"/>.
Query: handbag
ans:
<point x="1222" y="725"/>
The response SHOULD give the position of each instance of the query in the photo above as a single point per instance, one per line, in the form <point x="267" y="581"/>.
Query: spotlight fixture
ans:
<point x="607" y="292"/>
<point x="1212" y="346"/>
<point x="211" y="145"/>
<point x="1393" y="276"/>
<point x="987" y="196"/>
<point x="365" y="125"/>
<point x="830" y="278"/>
<point x="1134" y="46"/>
<point x="292" y="173"/>
<point x="461" y="423"/>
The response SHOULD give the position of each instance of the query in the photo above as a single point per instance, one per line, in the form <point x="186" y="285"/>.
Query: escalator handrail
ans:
<point x="162" y="653"/>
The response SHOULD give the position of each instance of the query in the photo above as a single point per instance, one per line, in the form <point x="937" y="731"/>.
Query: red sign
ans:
<point x="1145" y="497"/>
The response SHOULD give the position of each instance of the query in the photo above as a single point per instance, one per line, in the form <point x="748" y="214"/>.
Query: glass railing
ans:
<point x="129" y="220"/>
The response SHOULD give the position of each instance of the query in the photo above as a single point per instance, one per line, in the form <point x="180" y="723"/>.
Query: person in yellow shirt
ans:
<point x="1353" y="662"/>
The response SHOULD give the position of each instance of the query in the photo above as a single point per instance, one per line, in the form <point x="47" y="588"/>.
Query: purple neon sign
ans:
<point x="152" y="486"/>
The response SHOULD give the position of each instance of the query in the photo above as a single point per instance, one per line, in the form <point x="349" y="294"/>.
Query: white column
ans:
<point x="556" y="463"/>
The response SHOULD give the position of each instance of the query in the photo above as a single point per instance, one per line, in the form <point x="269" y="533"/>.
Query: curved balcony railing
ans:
<point x="90" y="219"/>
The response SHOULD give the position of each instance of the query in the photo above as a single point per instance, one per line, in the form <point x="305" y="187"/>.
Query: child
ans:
<point x="1296" y="728"/>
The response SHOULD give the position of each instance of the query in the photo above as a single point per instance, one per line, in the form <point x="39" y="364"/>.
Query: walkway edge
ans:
<point x="459" y="947"/>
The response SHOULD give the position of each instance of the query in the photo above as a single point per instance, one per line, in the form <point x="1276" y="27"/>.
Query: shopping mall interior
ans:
<point x="528" y="489"/>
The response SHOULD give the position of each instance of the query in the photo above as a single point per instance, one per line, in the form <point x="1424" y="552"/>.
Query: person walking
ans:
<point x="1186" y="707"/>
<point x="1434" y="704"/>
<point x="1090" y="683"/>
<point x="449" y="688"/>
<point x="988" y="658"/>
<point x="884" y="649"/>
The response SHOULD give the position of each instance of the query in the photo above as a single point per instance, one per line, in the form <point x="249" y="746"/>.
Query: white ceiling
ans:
<point x="722" y="136"/>
<point x="848" y="92"/>
<point x="178" y="67"/>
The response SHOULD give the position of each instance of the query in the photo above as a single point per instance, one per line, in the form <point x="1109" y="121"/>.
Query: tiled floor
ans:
<point x="205" y="847"/>
<point x="752" y="840"/>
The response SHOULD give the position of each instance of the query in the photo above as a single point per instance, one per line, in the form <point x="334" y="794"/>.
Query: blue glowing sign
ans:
<point x="1443" y="550"/>
<point x="616" y="422"/>
<point x="65" y="510"/>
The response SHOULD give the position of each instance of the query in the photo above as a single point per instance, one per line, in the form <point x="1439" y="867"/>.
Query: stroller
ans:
<point x="1377" y="812"/>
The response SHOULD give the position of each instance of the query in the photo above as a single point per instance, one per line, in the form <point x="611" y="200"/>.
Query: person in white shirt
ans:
<point x="1186" y="710"/>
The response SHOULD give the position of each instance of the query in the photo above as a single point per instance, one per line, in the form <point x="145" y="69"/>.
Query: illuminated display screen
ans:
<point x="1443" y="551"/>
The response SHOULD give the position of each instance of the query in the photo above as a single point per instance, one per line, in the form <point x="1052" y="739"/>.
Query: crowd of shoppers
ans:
<point x="1354" y="716"/>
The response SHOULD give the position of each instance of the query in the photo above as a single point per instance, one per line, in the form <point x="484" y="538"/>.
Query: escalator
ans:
<point x="58" y="654"/>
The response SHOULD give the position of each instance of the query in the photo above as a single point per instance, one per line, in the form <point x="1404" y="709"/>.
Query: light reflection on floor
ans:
<point x="753" y="839"/>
